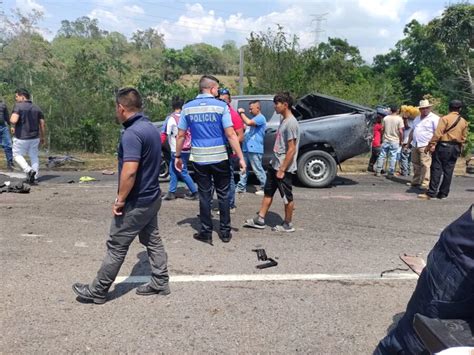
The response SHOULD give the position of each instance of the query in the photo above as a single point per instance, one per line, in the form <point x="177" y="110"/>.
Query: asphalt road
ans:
<point x="347" y="235"/>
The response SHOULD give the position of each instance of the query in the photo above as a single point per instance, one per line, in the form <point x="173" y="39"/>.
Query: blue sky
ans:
<point x="372" y="25"/>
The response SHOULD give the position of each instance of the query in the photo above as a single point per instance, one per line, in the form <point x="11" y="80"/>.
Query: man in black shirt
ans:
<point x="28" y="121"/>
<point x="5" y="140"/>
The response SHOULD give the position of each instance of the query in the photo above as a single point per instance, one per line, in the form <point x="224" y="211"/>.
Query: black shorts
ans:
<point x="271" y="185"/>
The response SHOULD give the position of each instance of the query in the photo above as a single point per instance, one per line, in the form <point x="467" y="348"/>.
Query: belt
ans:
<point x="445" y="143"/>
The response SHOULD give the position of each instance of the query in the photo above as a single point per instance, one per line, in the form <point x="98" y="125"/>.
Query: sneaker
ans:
<point x="441" y="197"/>
<point x="284" y="227"/>
<point x="254" y="223"/>
<point x="377" y="174"/>
<point x="30" y="176"/>
<point x="424" y="197"/>
<point x="192" y="196"/>
<point x="239" y="191"/>
<point x="170" y="196"/>
<point x="259" y="193"/>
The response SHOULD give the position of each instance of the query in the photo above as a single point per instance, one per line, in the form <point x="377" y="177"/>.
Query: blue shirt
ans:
<point x="140" y="142"/>
<point x="226" y="119"/>
<point x="254" y="137"/>
<point x="207" y="118"/>
<point x="458" y="241"/>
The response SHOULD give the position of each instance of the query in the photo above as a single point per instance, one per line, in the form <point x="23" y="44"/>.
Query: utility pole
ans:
<point x="241" y="71"/>
<point x="318" y="19"/>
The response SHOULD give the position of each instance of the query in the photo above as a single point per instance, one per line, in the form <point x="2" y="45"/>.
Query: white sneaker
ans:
<point x="259" y="193"/>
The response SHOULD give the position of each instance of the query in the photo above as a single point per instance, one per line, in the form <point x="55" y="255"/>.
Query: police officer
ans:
<point x="446" y="144"/>
<point x="211" y="127"/>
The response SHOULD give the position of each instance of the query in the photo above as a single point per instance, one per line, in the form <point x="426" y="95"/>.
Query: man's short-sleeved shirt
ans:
<point x="423" y="129"/>
<point x="28" y="125"/>
<point x="226" y="118"/>
<point x="391" y="128"/>
<point x="288" y="130"/>
<point x="377" y="131"/>
<point x="236" y="120"/>
<point x="140" y="142"/>
<point x="254" y="136"/>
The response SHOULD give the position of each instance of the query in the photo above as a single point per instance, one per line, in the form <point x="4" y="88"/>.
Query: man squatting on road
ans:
<point x="135" y="210"/>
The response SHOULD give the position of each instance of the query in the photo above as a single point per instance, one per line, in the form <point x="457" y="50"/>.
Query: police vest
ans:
<point x="208" y="140"/>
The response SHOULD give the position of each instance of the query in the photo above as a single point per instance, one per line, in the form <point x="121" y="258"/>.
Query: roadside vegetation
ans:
<point x="73" y="78"/>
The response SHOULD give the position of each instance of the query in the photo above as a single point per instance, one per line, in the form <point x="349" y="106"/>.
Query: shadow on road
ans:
<point x="43" y="178"/>
<point x="141" y="268"/>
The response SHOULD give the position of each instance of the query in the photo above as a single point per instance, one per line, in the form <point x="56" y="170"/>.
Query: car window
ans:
<point x="266" y="106"/>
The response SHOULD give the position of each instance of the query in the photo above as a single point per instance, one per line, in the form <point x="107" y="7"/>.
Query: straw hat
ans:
<point x="424" y="104"/>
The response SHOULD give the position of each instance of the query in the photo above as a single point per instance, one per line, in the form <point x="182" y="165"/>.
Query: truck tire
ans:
<point x="316" y="168"/>
<point x="164" y="170"/>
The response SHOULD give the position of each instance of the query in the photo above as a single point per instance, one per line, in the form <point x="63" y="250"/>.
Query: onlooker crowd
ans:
<point x="417" y="136"/>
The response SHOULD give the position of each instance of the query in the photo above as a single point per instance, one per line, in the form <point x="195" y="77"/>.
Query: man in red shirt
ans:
<point x="224" y="95"/>
<point x="377" y="138"/>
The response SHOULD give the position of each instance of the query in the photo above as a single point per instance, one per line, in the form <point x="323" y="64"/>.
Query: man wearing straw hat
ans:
<point x="424" y="127"/>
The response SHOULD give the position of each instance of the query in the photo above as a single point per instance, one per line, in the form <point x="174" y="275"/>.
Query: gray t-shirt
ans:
<point x="287" y="131"/>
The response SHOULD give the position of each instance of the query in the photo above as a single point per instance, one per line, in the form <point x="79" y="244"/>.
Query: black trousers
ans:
<point x="442" y="168"/>
<point x="205" y="175"/>
<point x="373" y="158"/>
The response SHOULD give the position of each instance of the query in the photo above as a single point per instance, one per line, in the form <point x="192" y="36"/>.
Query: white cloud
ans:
<point x="421" y="16"/>
<point x="29" y="5"/>
<point x="134" y="10"/>
<point x="387" y="9"/>
<point x="373" y="26"/>
<point x="105" y="17"/>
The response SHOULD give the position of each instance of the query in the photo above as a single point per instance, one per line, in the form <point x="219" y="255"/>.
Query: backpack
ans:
<point x="187" y="136"/>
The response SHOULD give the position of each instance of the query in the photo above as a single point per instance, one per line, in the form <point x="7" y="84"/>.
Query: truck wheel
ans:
<point x="316" y="168"/>
<point x="164" y="170"/>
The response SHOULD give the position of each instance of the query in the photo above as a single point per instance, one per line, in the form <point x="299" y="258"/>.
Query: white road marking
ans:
<point x="31" y="235"/>
<point x="80" y="244"/>
<point x="272" y="277"/>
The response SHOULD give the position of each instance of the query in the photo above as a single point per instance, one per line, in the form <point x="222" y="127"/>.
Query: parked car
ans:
<point x="331" y="131"/>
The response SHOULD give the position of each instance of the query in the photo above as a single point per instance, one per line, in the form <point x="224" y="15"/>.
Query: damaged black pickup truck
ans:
<point x="331" y="131"/>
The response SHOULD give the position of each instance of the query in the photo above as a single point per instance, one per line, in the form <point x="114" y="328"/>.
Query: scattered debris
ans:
<point x="71" y="182"/>
<point x="262" y="256"/>
<point x="18" y="187"/>
<point x="108" y="172"/>
<point x="55" y="161"/>
<point x="86" y="179"/>
<point x="414" y="262"/>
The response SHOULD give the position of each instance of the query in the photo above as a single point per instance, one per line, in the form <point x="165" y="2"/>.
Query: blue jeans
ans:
<point x="388" y="148"/>
<point x="6" y="143"/>
<point x="405" y="161"/>
<point x="442" y="291"/>
<point x="254" y="160"/>
<point x="183" y="174"/>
